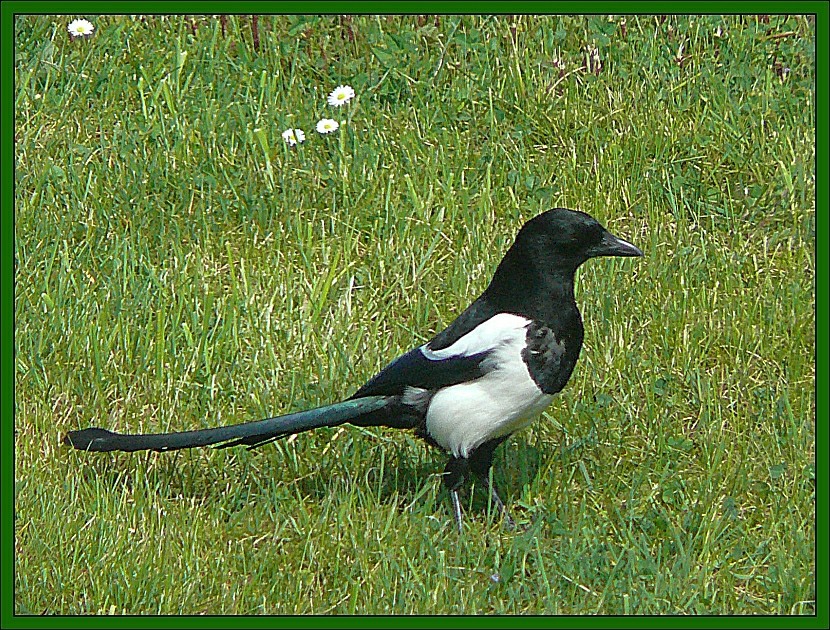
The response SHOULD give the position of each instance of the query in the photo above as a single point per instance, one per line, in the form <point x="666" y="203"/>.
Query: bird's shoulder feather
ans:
<point x="548" y="357"/>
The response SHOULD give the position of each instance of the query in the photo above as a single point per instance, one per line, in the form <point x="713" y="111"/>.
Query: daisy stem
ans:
<point x="352" y="110"/>
<point x="341" y="145"/>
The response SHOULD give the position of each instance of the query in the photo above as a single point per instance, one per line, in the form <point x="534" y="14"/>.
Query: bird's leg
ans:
<point x="480" y="463"/>
<point x="456" y="509"/>
<point x="484" y="478"/>
<point x="454" y="476"/>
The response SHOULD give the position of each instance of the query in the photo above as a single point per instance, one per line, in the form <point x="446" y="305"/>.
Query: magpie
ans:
<point x="488" y="374"/>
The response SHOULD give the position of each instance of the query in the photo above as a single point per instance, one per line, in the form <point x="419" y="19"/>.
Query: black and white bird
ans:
<point x="488" y="374"/>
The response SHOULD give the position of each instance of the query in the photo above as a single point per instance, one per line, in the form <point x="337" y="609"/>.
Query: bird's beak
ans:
<point x="611" y="245"/>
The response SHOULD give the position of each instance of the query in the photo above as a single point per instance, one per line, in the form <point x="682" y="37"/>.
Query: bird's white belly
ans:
<point x="464" y="416"/>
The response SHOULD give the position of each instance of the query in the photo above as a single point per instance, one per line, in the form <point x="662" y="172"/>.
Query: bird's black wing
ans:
<point x="418" y="369"/>
<point x="414" y="369"/>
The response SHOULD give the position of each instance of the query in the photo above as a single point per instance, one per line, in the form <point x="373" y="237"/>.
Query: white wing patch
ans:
<point x="488" y="335"/>
<point x="462" y="417"/>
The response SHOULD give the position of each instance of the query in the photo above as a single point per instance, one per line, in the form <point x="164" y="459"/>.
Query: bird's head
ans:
<point x="569" y="238"/>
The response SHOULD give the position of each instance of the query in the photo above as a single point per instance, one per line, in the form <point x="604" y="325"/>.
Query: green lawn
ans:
<point x="180" y="266"/>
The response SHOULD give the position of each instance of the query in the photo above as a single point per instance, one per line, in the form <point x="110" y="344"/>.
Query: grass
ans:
<point x="179" y="266"/>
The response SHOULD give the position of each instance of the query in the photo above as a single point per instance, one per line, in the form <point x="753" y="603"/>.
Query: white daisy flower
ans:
<point x="80" y="28"/>
<point x="327" y="125"/>
<point x="342" y="94"/>
<point x="293" y="136"/>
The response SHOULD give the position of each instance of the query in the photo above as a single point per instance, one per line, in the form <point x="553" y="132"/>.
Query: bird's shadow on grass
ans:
<point x="403" y="471"/>
<point x="407" y="472"/>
